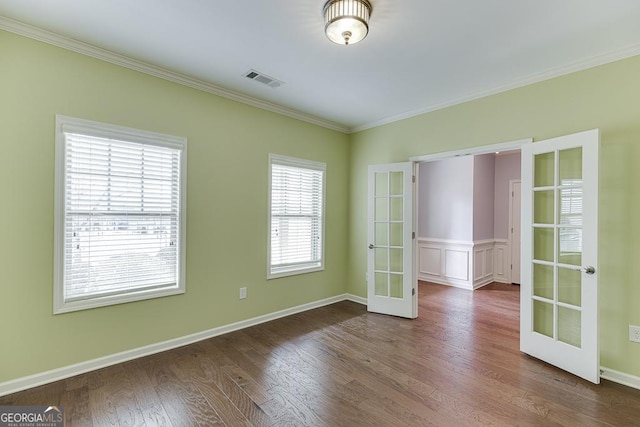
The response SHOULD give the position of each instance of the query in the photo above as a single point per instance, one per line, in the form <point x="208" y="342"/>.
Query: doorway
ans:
<point x="465" y="227"/>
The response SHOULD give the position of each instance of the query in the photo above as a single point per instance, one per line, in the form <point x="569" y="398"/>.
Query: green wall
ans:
<point x="228" y="145"/>
<point x="605" y="97"/>
<point x="227" y="196"/>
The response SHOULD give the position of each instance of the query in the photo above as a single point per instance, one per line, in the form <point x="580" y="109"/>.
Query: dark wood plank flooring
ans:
<point x="457" y="365"/>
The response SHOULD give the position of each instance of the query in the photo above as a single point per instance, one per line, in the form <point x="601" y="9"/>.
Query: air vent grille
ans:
<point x="263" y="78"/>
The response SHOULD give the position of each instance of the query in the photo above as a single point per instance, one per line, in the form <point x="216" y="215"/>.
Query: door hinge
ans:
<point x="511" y="266"/>
<point x="511" y="229"/>
<point x="413" y="234"/>
<point x="413" y="292"/>
<point x="413" y="178"/>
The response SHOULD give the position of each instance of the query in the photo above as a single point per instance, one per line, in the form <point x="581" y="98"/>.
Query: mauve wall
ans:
<point x="507" y="168"/>
<point x="445" y="200"/>
<point x="483" y="200"/>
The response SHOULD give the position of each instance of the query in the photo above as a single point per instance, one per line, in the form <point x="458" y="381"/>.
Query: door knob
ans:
<point x="589" y="270"/>
<point x="371" y="246"/>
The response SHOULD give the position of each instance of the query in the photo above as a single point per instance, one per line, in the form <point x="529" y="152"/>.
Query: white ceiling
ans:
<point x="420" y="55"/>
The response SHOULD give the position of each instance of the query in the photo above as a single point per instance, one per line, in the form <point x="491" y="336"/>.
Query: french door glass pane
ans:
<point x="544" y="170"/>
<point x="395" y="285"/>
<point x="570" y="165"/>
<point x="396" y="209"/>
<point x="382" y="259"/>
<point x="543" y="281"/>
<point x="395" y="260"/>
<point x="382" y="184"/>
<point x="382" y="232"/>
<point x="570" y="286"/>
<point x="395" y="233"/>
<point x="382" y="284"/>
<point x="396" y="186"/>
<point x="543" y="206"/>
<point x="569" y="326"/>
<point x="543" y="244"/>
<point x="382" y="209"/>
<point x="543" y="318"/>
<point x="570" y="246"/>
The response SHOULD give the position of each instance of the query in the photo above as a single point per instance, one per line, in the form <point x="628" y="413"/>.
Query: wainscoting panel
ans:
<point x="463" y="264"/>
<point x="502" y="261"/>
<point x="446" y="262"/>
<point x="430" y="261"/>
<point x="482" y="263"/>
<point x="456" y="264"/>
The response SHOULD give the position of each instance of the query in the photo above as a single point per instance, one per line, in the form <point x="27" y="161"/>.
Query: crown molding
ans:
<point x="573" y="67"/>
<point x="45" y="36"/>
<point x="54" y="39"/>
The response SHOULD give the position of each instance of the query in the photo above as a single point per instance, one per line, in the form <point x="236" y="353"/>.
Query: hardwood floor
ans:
<point x="458" y="364"/>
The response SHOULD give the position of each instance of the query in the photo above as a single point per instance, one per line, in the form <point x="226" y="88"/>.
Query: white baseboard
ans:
<point x="19" y="384"/>
<point x="41" y="378"/>
<point x="356" y="298"/>
<point x="446" y="281"/>
<point x="620" y="377"/>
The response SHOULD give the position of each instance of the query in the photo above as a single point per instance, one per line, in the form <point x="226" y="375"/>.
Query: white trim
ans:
<point x="82" y="48"/>
<point x="64" y="125"/>
<point x="484" y="149"/>
<point x="301" y="164"/>
<point x="446" y="241"/>
<point x="573" y="67"/>
<point x="356" y="299"/>
<point x="619" y="377"/>
<point x="483" y="242"/>
<point x="19" y="384"/>
<point x="510" y="233"/>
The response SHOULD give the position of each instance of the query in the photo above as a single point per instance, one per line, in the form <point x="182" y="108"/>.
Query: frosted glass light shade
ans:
<point x="346" y="21"/>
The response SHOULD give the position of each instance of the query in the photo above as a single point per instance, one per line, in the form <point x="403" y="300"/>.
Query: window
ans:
<point x="296" y="219"/>
<point x="119" y="215"/>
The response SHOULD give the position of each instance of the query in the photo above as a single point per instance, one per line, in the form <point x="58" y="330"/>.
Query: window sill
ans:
<point x="86" y="304"/>
<point x="277" y="275"/>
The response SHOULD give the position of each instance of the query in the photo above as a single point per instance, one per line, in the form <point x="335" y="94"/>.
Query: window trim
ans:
<point x="92" y="128"/>
<point x="300" y="163"/>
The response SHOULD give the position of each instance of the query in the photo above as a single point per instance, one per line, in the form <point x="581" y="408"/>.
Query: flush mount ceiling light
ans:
<point x="346" y="21"/>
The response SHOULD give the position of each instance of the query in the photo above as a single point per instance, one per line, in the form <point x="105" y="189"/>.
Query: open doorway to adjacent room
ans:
<point x="468" y="220"/>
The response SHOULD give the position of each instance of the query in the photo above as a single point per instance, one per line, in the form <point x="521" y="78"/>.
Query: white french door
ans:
<point x="390" y="268"/>
<point x="559" y="260"/>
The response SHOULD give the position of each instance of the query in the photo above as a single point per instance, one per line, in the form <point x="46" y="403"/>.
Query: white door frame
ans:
<point x="512" y="182"/>
<point x="485" y="149"/>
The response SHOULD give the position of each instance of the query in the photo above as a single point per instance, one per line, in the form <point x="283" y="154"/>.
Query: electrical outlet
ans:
<point x="634" y="333"/>
<point x="243" y="292"/>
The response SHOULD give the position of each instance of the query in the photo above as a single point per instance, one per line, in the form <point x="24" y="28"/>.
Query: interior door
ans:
<point x="559" y="278"/>
<point x="390" y="269"/>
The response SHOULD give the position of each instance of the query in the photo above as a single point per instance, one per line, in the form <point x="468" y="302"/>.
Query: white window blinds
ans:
<point x="122" y="216"/>
<point x="297" y="216"/>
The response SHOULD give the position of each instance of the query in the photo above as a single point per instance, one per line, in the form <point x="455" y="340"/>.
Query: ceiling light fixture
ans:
<point x="346" y="21"/>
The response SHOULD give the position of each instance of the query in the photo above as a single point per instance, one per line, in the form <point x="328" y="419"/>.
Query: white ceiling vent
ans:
<point x="263" y="78"/>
